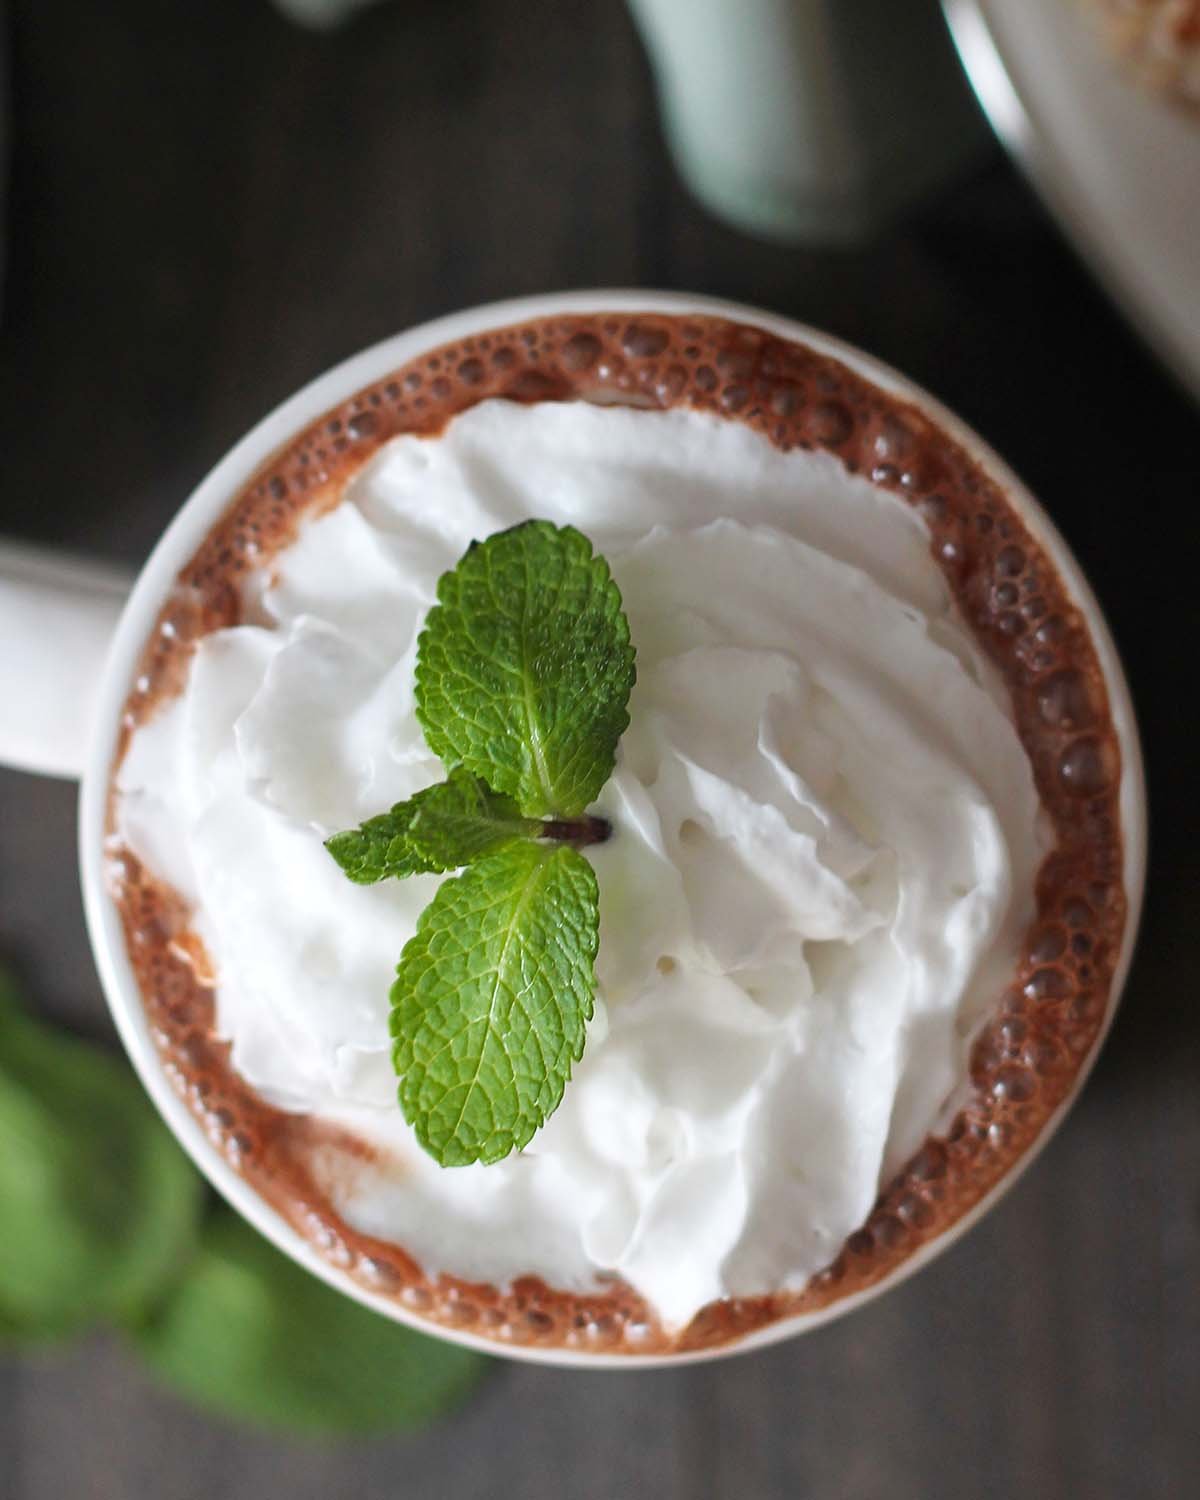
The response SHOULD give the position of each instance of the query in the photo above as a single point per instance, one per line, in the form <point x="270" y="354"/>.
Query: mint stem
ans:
<point x="578" y="832"/>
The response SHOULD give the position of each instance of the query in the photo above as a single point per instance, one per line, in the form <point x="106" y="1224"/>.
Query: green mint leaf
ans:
<point x="463" y="820"/>
<point x="249" y="1334"/>
<point x="98" y="1204"/>
<point x="524" y="668"/>
<point x="491" y="1001"/>
<point x="440" y="828"/>
<point x="379" y="848"/>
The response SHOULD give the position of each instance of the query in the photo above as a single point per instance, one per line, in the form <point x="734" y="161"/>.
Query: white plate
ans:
<point x="1118" y="166"/>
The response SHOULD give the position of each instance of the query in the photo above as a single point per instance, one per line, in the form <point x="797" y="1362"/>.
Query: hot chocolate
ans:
<point x="932" y="785"/>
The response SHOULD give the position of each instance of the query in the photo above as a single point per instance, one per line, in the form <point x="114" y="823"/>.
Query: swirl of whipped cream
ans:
<point x="826" y="837"/>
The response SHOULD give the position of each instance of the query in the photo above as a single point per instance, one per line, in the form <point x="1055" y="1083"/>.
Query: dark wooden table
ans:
<point x="206" y="207"/>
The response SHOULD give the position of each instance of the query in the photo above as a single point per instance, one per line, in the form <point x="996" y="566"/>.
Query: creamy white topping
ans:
<point x="826" y="839"/>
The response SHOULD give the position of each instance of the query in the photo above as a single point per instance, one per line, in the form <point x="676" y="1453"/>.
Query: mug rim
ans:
<point x="187" y="530"/>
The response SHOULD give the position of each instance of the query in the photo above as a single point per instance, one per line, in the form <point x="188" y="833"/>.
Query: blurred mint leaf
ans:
<point x="249" y="1334"/>
<point x="98" y="1205"/>
<point x="454" y="823"/>
<point x="491" y="1001"/>
<point x="524" y="668"/>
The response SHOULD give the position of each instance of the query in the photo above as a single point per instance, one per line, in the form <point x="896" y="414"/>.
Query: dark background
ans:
<point x="206" y="207"/>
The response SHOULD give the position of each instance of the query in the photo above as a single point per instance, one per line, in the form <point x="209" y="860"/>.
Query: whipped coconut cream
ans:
<point x="826" y="838"/>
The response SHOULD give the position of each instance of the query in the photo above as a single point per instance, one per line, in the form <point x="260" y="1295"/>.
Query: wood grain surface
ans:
<point x="206" y="207"/>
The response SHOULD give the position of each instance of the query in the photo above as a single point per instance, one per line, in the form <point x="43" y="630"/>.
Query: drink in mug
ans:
<point x="876" y="850"/>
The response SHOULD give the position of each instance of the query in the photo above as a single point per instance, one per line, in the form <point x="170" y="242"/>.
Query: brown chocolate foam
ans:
<point x="1045" y="1024"/>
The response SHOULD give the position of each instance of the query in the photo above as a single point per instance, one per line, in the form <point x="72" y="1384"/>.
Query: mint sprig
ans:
<point x="524" y="670"/>
<point x="98" y="1205"/>
<point x="102" y="1221"/>
<point x="250" y="1335"/>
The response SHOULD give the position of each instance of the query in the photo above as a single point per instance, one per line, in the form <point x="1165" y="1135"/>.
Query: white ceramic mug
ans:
<point x="811" y="122"/>
<point x="68" y="658"/>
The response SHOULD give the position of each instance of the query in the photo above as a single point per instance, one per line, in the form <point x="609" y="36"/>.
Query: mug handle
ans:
<point x="58" y="615"/>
